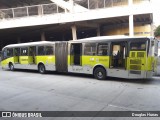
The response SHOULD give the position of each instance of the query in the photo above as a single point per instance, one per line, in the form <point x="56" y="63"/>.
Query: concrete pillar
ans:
<point x="96" y="4"/>
<point x="131" y="25"/>
<point x="152" y="30"/>
<point x="43" y="38"/>
<point x="40" y="10"/>
<point x="131" y="21"/>
<point x="72" y="6"/>
<point x="130" y="2"/>
<point x="65" y="10"/>
<point x="74" y="32"/>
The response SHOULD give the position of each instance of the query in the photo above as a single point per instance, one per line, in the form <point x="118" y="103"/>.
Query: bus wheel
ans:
<point x="11" y="67"/>
<point x="100" y="73"/>
<point x="41" y="69"/>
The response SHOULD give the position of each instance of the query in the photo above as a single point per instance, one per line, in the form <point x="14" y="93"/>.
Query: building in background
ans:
<point x="63" y="20"/>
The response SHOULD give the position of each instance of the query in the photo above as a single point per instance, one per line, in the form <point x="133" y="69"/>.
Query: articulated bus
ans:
<point x="123" y="57"/>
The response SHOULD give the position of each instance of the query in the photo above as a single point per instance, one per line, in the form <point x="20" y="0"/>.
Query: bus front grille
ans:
<point x="135" y="61"/>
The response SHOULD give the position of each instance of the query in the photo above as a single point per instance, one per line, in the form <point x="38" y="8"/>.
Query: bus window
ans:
<point x="32" y="51"/>
<point x="24" y="51"/>
<point x="41" y="50"/>
<point x="102" y="49"/>
<point x="9" y="52"/>
<point x="17" y="52"/>
<point x="4" y="54"/>
<point x="138" y="46"/>
<point x="49" y="50"/>
<point x="90" y="49"/>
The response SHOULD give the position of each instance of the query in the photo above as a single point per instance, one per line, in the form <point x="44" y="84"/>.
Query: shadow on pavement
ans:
<point x="154" y="80"/>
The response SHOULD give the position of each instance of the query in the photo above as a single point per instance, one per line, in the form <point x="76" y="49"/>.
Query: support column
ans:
<point x="40" y="10"/>
<point x="43" y="38"/>
<point x="131" y="26"/>
<point x="74" y="32"/>
<point x="96" y="6"/>
<point x="152" y="30"/>
<point x="72" y="6"/>
<point x="131" y="21"/>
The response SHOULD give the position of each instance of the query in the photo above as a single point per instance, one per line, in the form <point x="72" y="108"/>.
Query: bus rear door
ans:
<point x="32" y="54"/>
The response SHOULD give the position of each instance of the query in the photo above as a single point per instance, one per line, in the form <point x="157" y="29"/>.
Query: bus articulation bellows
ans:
<point x="123" y="57"/>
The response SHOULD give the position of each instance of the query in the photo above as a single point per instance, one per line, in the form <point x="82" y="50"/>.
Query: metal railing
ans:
<point x="30" y="11"/>
<point x="94" y="4"/>
<point x="53" y="8"/>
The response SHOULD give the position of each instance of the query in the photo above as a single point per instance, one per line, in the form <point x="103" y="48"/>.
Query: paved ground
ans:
<point x="29" y="90"/>
<point x="158" y="70"/>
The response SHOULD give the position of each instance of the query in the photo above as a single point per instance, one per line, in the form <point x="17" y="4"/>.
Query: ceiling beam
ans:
<point x="87" y="24"/>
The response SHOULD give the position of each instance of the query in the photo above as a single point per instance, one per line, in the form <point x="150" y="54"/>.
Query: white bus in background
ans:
<point x="0" y="55"/>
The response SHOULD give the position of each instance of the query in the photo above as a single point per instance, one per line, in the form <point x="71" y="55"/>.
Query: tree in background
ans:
<point x="157" y="32"/>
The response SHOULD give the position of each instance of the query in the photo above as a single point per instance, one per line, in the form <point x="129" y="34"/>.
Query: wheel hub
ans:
<point x="100" y="74"/>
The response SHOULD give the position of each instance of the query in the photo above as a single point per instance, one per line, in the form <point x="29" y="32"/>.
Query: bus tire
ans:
<point x="41" y="68"/>
<point x="100" y="73"/>
<point x="11" y="67"/>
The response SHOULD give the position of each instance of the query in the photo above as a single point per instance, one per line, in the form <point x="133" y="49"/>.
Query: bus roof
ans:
<point x="99" y="38"/>
<point x="29" y="44"/>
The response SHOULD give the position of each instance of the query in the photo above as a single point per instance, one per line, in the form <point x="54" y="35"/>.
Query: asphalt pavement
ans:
<point x="24" y="90"/>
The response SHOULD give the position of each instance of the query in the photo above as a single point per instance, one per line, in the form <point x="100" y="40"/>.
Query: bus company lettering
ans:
<point x="103" y="59"/>
<point x="91" y="59"/>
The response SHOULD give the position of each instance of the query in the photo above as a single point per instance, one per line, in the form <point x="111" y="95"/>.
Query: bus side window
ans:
<point x="24" y="51"/>
<point x="32" y="51"/>
<point x="10" y="52"/>
<point x="72" y="50"/>
<point x="4" y="54"/>
<point x="49" y="50"/>
<point x="17" y="52"/>
<point x="102" y="49"/>
<point x="41" y="50"/>
<point x="90" y="49"/>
